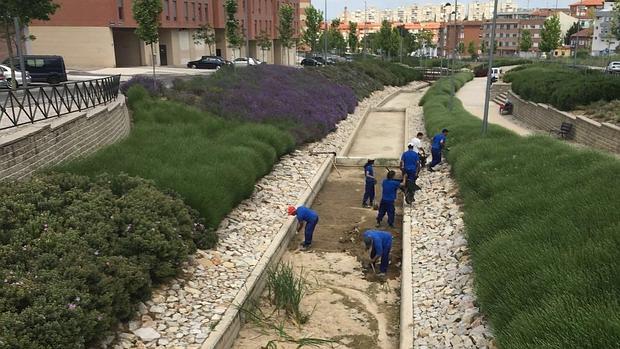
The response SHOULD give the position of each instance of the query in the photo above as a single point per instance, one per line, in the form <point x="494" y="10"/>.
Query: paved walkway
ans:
<point x="472" y="97"/>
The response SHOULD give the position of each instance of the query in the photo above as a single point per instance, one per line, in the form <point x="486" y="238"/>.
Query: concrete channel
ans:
<point x="345" y="303"/>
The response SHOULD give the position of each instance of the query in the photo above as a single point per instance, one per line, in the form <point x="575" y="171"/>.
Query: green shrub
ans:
<point x="77" y="254"/>
<point x="561" y="86"/>
<point x="543" y="230"/>
<point x="211" y="162"/>
<point x="345" y="74"/>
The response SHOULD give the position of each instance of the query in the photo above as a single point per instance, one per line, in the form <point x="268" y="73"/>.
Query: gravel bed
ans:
<point x="445" y="311"/>
<point x="182" y="313"/>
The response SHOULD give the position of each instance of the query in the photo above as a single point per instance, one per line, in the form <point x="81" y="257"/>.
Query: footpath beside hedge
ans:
<point x="543" y="227"/>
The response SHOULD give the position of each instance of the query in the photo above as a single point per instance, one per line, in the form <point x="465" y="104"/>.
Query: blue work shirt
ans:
<point x="438" y="140"/>
<point x="389" y="189"/>
<point x="305" y="214"/>
<point x="369" y="171"/>
<point x="410" y="160"/>
<point x="381" y="240"/>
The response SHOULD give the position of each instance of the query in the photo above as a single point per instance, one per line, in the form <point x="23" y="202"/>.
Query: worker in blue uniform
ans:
<point x="305" y="217"/>
<point x="389" y="188"/>
<point x="369" y="190"/>
<point x="379" y="243"/>
<point x="410" y="163"/>
<point x="437" y="145"/>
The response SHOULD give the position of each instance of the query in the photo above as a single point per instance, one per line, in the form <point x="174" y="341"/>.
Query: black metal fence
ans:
<point x="26" y="106"/>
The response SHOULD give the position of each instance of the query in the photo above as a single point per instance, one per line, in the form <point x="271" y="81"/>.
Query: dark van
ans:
<point x="49" y="69"/>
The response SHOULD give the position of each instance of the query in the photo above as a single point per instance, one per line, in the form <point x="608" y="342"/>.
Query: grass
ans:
<point x="543" y="228"/>
<point x="213" y="163"/>
<point x="286" y="290"/>
<point x="602" y="111"/>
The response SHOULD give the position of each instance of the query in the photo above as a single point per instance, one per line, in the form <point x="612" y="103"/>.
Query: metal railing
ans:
<point x="26" y="106"/>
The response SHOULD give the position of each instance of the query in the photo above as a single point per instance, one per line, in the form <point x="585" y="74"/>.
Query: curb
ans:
<point x="406" y="285"/>
<point x="229" y="326"/>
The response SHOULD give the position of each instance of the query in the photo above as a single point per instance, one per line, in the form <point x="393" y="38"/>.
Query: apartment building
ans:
<point x="463" y="32"/>
<point x="101" y="33"/>
<point x="481" y="10"/>
<point x="603" y="40"/>
<point x="508" y="34"/>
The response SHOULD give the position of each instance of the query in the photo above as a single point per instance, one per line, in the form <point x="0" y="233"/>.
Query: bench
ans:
<point x="563" y="131"/>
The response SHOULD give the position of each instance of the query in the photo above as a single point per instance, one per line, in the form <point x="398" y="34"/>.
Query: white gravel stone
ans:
<point x="147" y="334"/>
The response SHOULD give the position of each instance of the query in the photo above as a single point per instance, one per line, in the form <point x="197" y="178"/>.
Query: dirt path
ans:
<point x="381" y="136"/>
<point x="348" y="304"/>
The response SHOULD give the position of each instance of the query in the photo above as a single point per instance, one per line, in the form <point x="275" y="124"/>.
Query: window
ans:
<point x="186" y="7"/>
<point x="167" y="9"/>
<point x="174" y="10"/>
<point x="207" y="11"/>
<point x="200" y="11"/>
<point x="119" y="5"/>
<point x="193" y="11"/>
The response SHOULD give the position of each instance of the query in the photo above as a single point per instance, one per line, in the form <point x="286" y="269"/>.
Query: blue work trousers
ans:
<point x="386" y="207"/>
<point x="436" y="157"/>
<point x="369" y="193"/>
<point x="385" y="258"/>
<point x="309" y="231"/>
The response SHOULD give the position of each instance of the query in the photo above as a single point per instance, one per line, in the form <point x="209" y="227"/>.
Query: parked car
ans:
<point x="310" y="62"/>
<point x="245" y="61"/>
<point x="208" y="62"/>
<point x="496" y="73"/>
<point x="613" y="67"/>
<point x="324" y="61"/>
<point x="48" y="69"/>
<point x="6" y="77"/>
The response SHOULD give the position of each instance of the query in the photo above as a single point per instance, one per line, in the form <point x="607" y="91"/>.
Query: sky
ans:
<point x="336" y="7"/>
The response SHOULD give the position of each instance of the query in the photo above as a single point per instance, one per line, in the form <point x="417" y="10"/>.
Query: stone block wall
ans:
<point x="586" y="131"/>
<point x="42" y="145"/>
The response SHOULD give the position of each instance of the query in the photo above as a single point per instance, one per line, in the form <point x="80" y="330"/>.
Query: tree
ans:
<point x="572" y="30"/>
<point x="550" y="34"/>
<point x="525" y="44"/>
<point x="285" y="28"/>
<point x="310" y="36"/>
<point x="205" y="35"/>
<point x="410" y="42"/>
<point x="264" y="42"/>
<point x="461" y="48"/>
<point x="353" y="41"/>
<point x="472" y="50"/>
<point x="233" y="29"/>
<point x="25" y="11"/>
<point x="146" y="13"/>
<point x="615" y="20"/>
<point x="387" y="39"/>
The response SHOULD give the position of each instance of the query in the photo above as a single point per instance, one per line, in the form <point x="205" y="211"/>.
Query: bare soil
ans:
<point x="348" y="304"/>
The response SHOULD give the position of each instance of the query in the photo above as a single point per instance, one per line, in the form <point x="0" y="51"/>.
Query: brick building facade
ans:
<point x="100" y="33"/>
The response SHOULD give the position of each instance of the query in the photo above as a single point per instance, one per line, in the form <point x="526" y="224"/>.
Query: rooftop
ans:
<point x="588" y="3"/>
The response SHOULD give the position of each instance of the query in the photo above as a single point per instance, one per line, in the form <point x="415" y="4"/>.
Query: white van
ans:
<point x="496" y="73"/>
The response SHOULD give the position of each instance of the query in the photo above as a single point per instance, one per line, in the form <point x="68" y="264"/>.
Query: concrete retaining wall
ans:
<point x="603" y="136"/>
<point x="46" y="144"/>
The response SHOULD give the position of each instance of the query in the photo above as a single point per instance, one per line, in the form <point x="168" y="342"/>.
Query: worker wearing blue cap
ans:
<point x="379" y="243"/>
<point x="437" y="145"/>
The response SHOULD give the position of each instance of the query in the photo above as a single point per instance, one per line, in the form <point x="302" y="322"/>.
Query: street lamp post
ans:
<point x="485" y="119"/>
<point x="451" y="105"/>
<point x="325" y="35"/>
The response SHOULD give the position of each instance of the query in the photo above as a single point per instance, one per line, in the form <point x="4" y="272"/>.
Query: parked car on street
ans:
<point x="613" y="67"/>
<point x="6" y="77"/>
<point x="208" y="62"/>
<point x="48" y="69"/>
<point x="245" y="61"/>
<point x="310" y="62"/>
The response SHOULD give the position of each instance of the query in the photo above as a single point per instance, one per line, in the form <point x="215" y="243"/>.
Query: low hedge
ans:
<point x="307" y="105"/>
<point x="561" y="86"/>
<point x="212" y="162"/>
<point x="77" y="254"/>
<point x="542" y="225"/>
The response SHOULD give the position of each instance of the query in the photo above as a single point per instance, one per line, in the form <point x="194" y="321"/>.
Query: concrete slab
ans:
<point x="402" y="100"/>
<point x="381" y="136"/>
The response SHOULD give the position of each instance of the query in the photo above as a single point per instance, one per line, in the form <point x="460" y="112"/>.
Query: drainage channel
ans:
<point x="345" y="305"/>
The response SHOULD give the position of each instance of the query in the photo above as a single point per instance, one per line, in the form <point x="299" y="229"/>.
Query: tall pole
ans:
<point x="456" y="34"/>
<point x="325" y="36"/>
<point x="365" y="27"/>
<point x="18" y="39"/>
<point x="576" y="44"/>
<point x="485" y="119"/>
<point x="247" y="30"/>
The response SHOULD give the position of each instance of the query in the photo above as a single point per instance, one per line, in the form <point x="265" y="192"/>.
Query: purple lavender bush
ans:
<point x="308" y="105"/>
<point x="146" y="81"/>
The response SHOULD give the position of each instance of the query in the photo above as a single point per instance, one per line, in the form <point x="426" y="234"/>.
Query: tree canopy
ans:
<point x="310" y="36"/>
<point x="550" y="34"/>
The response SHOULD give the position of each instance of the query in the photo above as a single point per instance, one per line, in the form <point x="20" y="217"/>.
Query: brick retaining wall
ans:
<point x="586" y="131"/>
<point x="43" y="145"/>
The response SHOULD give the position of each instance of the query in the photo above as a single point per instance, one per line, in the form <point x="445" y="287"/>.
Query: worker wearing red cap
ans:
<point x="305" y="217"/>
